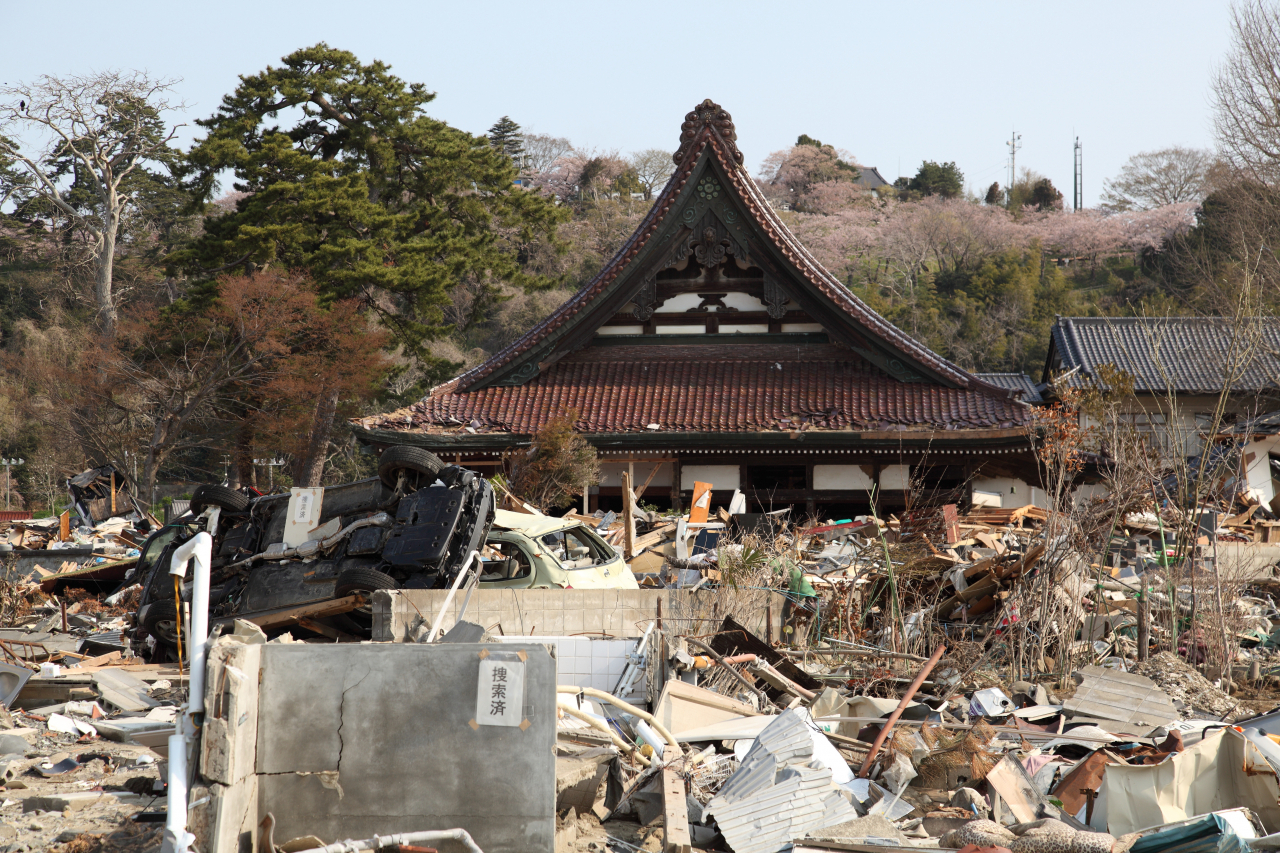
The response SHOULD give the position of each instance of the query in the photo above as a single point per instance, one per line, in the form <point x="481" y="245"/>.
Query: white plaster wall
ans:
<point x="719" y="476"/>
<point x="840" y="478"/>
<point x="620" y="330"/>
<point x="802" y="327"/>
<point x="895" y="478"/>
<point x="1012" y="491"/>
<point x="744" y="328"/>
<point x="685" y="301"/>
<point x="611" y="474"/>
<point x="1086" y="493"/>
<point x="1258" y="469"/>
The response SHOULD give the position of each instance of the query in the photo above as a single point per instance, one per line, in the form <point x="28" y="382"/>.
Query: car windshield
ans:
<point x="576" y="548"/>
<point x="159" y="543"/>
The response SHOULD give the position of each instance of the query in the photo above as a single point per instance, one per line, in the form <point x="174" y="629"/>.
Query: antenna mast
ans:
<point x="1014" y="143"/>
<point x="1079" y="176"/>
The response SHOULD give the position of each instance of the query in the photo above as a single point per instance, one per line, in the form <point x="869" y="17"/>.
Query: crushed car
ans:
<point x="413" y="526"/>
<point x="541" y="552"/>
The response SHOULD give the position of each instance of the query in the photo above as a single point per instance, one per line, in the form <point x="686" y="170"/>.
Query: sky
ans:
<point x="893" y="83"/>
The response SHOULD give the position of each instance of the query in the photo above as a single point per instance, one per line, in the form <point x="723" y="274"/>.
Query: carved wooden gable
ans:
<point x="712" y="264"/>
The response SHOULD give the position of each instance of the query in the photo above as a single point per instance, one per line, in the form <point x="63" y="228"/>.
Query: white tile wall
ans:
<point x="587" y="662"/>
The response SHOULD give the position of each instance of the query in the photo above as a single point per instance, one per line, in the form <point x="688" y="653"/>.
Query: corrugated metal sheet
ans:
<point x="779" y="793"/>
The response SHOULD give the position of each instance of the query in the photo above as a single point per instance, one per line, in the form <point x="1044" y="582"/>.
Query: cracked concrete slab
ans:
<point x="357" y="740"/>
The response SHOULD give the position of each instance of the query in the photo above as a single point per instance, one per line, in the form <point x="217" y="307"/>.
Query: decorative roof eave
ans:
<point x="709" y="129"/>
<point x="867" y="441"/>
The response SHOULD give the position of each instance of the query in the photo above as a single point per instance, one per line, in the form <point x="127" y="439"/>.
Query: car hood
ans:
<point x="530" y="525"/>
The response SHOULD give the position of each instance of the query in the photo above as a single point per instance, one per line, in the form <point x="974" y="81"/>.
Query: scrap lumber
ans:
<point x="675" y="808"/>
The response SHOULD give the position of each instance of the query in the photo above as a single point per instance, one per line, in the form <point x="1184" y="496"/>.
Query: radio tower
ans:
<point x="1014" y="143"/>
<point x="1079" y="177"/>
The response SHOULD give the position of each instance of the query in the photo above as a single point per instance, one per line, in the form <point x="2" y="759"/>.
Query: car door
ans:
<point x="507" y="562"/>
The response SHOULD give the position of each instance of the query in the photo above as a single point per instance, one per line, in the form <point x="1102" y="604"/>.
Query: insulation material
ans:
<point x="779" y="793"/>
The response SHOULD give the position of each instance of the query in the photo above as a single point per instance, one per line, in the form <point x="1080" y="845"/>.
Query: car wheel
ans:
<point x="362" y="580"/>
<point x="162" y="622"/>
<point x="219" y="496"/>
<point x="408" y="459"/>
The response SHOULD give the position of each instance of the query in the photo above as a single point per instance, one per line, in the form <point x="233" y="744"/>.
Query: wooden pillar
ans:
<point x="628" y="517"/>
<point x="675" y="487"/>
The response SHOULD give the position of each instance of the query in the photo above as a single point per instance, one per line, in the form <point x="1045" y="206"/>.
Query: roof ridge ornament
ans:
<point x="710" y="115"/>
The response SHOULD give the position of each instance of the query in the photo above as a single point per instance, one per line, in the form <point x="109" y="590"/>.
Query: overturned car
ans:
<point x="415" y="525"/>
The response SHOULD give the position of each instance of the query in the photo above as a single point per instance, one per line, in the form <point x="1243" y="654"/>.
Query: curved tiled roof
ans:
<point x="713" y="387"/>
<point x="1190" y="355"/>
<point x="688" y="389"/>
<point x="1020" y="382"/>
<point x="717" y="135"/>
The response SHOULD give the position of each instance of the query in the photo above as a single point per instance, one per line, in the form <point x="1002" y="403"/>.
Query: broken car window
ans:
<point x="575" y="549"/>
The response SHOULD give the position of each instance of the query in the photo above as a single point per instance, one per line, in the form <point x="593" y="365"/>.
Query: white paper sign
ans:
<point x="500" y="693"/>
<point x="304" y="514"/>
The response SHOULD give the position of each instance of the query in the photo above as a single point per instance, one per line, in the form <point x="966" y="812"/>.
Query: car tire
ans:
<point x="219" y="496"/>
<point x="362" y="580"/>
<point x="403" y="458"/>
<point x="162" y="622"/>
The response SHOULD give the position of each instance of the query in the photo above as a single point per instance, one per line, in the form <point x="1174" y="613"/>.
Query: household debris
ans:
<point x="933" y="679"/>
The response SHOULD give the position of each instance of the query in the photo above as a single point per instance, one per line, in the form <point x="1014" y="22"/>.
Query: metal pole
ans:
<point x="902" y="706"/>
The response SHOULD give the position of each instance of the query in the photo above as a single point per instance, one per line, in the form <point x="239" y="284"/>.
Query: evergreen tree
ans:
<point x="506" y="137"/>
<point x="363" y="191"/>
<point x="993" y="193"/>
<point x="942" y="179"/>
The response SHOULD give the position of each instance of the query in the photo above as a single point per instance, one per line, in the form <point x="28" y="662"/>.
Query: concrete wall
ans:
<point x="398" y="615"/>
<point x="351" y="740"/>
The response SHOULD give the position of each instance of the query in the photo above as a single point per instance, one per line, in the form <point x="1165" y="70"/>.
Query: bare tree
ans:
<point x="653" y="167"/>
<point x="103" y="129"/>
<point x="542" y="151"/>
<point x="1154" y="179"/>
<point x="1246" y="91"/>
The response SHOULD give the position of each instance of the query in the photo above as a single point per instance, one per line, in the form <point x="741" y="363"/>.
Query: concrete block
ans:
<point x="391" y="725"/>
<point x="229" y="737"/>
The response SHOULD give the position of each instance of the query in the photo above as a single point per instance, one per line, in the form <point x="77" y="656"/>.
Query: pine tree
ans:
<point x="368" y="194"/>
<point x="994" y="195"/>
<point x="505" y="136"/>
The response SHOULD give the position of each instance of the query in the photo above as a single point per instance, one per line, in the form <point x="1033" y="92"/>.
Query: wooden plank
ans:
<point x="675" y="809"/>
<point x="290" y="615"/>
<point x="628" y="518"/>
<point x="648" y="480"/>
<point x="653" y="537"/>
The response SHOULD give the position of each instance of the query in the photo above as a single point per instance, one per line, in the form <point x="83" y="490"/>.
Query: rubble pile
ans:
<point x="933" y="679"/>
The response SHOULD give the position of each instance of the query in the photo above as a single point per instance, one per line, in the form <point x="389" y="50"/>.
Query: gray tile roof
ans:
<point x="1014" y="382"/>
<point x="871" y="178"/>
<point x="1191" y="355"/>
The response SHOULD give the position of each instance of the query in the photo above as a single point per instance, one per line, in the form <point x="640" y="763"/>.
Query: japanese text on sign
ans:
<point x="500" y="693"/>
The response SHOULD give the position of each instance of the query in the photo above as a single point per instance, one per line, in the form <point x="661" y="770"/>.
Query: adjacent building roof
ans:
<point x="1188" y="355"/>
<point x="844" y="368"/>
<point x="871" y="178"/>
<point x="1019" y="382"/>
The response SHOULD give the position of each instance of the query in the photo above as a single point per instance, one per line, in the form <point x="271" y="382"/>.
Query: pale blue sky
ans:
<point x="891" y="82"/>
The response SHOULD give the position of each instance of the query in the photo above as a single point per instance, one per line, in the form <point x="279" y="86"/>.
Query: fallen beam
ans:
<point x="675" y="809"/>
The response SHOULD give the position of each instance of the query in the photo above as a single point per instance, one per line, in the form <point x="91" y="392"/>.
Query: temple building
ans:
<point x="713" y="347"/>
